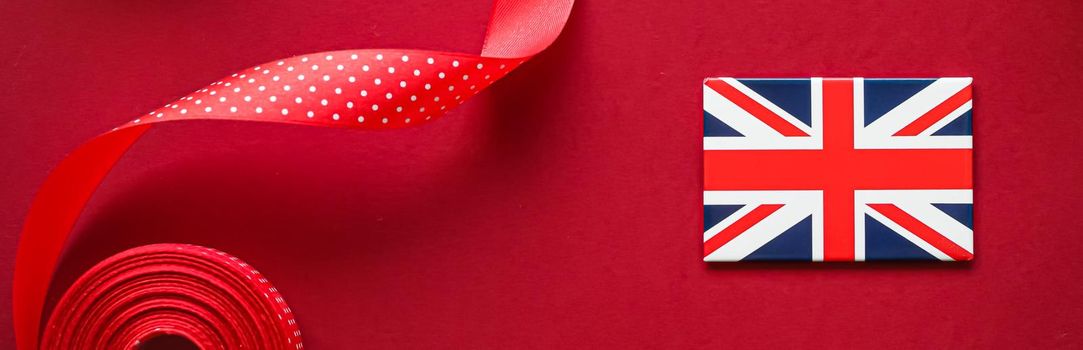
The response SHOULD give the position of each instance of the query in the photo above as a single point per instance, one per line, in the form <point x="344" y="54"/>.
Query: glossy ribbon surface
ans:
<point x="364" y="89"/>
<point x="212" y="299"/>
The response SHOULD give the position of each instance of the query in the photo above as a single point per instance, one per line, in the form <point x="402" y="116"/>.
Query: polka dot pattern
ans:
<point x="373" y="89"/>
<point x="343" y="89"/>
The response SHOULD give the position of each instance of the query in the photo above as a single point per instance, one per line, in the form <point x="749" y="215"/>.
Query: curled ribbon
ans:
<point x="208" y="297"/>
<point x="364" y="89"/>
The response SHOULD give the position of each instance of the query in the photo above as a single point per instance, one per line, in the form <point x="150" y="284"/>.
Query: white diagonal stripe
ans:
<point x="942" y="223"/>
<point x="759" y="234"/>
<point x="958" y="112"/>
<point x="721" y="225"/>
<point x="797" y="205"/>
<point x="917" y="105"/>
<point x="909" y="236"/>
<point x="769" y="105"/>
<point x="735" y="116"/>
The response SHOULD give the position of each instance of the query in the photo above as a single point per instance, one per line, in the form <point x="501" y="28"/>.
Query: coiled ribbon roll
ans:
<point x="206" y="296"/>
<point x="365" y="89"/>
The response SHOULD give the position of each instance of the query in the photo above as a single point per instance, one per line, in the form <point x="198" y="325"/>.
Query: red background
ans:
<point x="562" y="207"/>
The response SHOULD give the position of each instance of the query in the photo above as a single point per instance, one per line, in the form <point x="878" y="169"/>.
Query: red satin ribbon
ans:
<point x="367" y="89"/>
<point x="211" y="298"/>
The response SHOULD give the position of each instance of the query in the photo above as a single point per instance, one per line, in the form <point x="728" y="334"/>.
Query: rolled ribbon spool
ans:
<point x="361" y="89"/>
<point x="205" y="296"/>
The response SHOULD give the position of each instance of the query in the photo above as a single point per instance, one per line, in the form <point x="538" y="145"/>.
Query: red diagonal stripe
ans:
<point x="739" y="227"/>
<point x="923" y="231"/>
<point x="755" y="108"/>
<point x="936" y="114"/>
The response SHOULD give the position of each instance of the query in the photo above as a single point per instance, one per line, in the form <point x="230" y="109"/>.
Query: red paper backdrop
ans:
<point x="562" y="207"/>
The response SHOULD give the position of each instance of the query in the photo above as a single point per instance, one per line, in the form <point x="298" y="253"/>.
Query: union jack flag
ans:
<point x="837" y="169"/>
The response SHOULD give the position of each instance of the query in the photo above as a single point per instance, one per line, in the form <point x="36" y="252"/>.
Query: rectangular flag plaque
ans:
<point x="847" y="169"/>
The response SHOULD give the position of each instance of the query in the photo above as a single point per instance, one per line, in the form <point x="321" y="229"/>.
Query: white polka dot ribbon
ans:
<point x="368" y="89"/>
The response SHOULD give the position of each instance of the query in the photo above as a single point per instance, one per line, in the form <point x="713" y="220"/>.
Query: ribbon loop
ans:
<point x="366" y="89"/>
